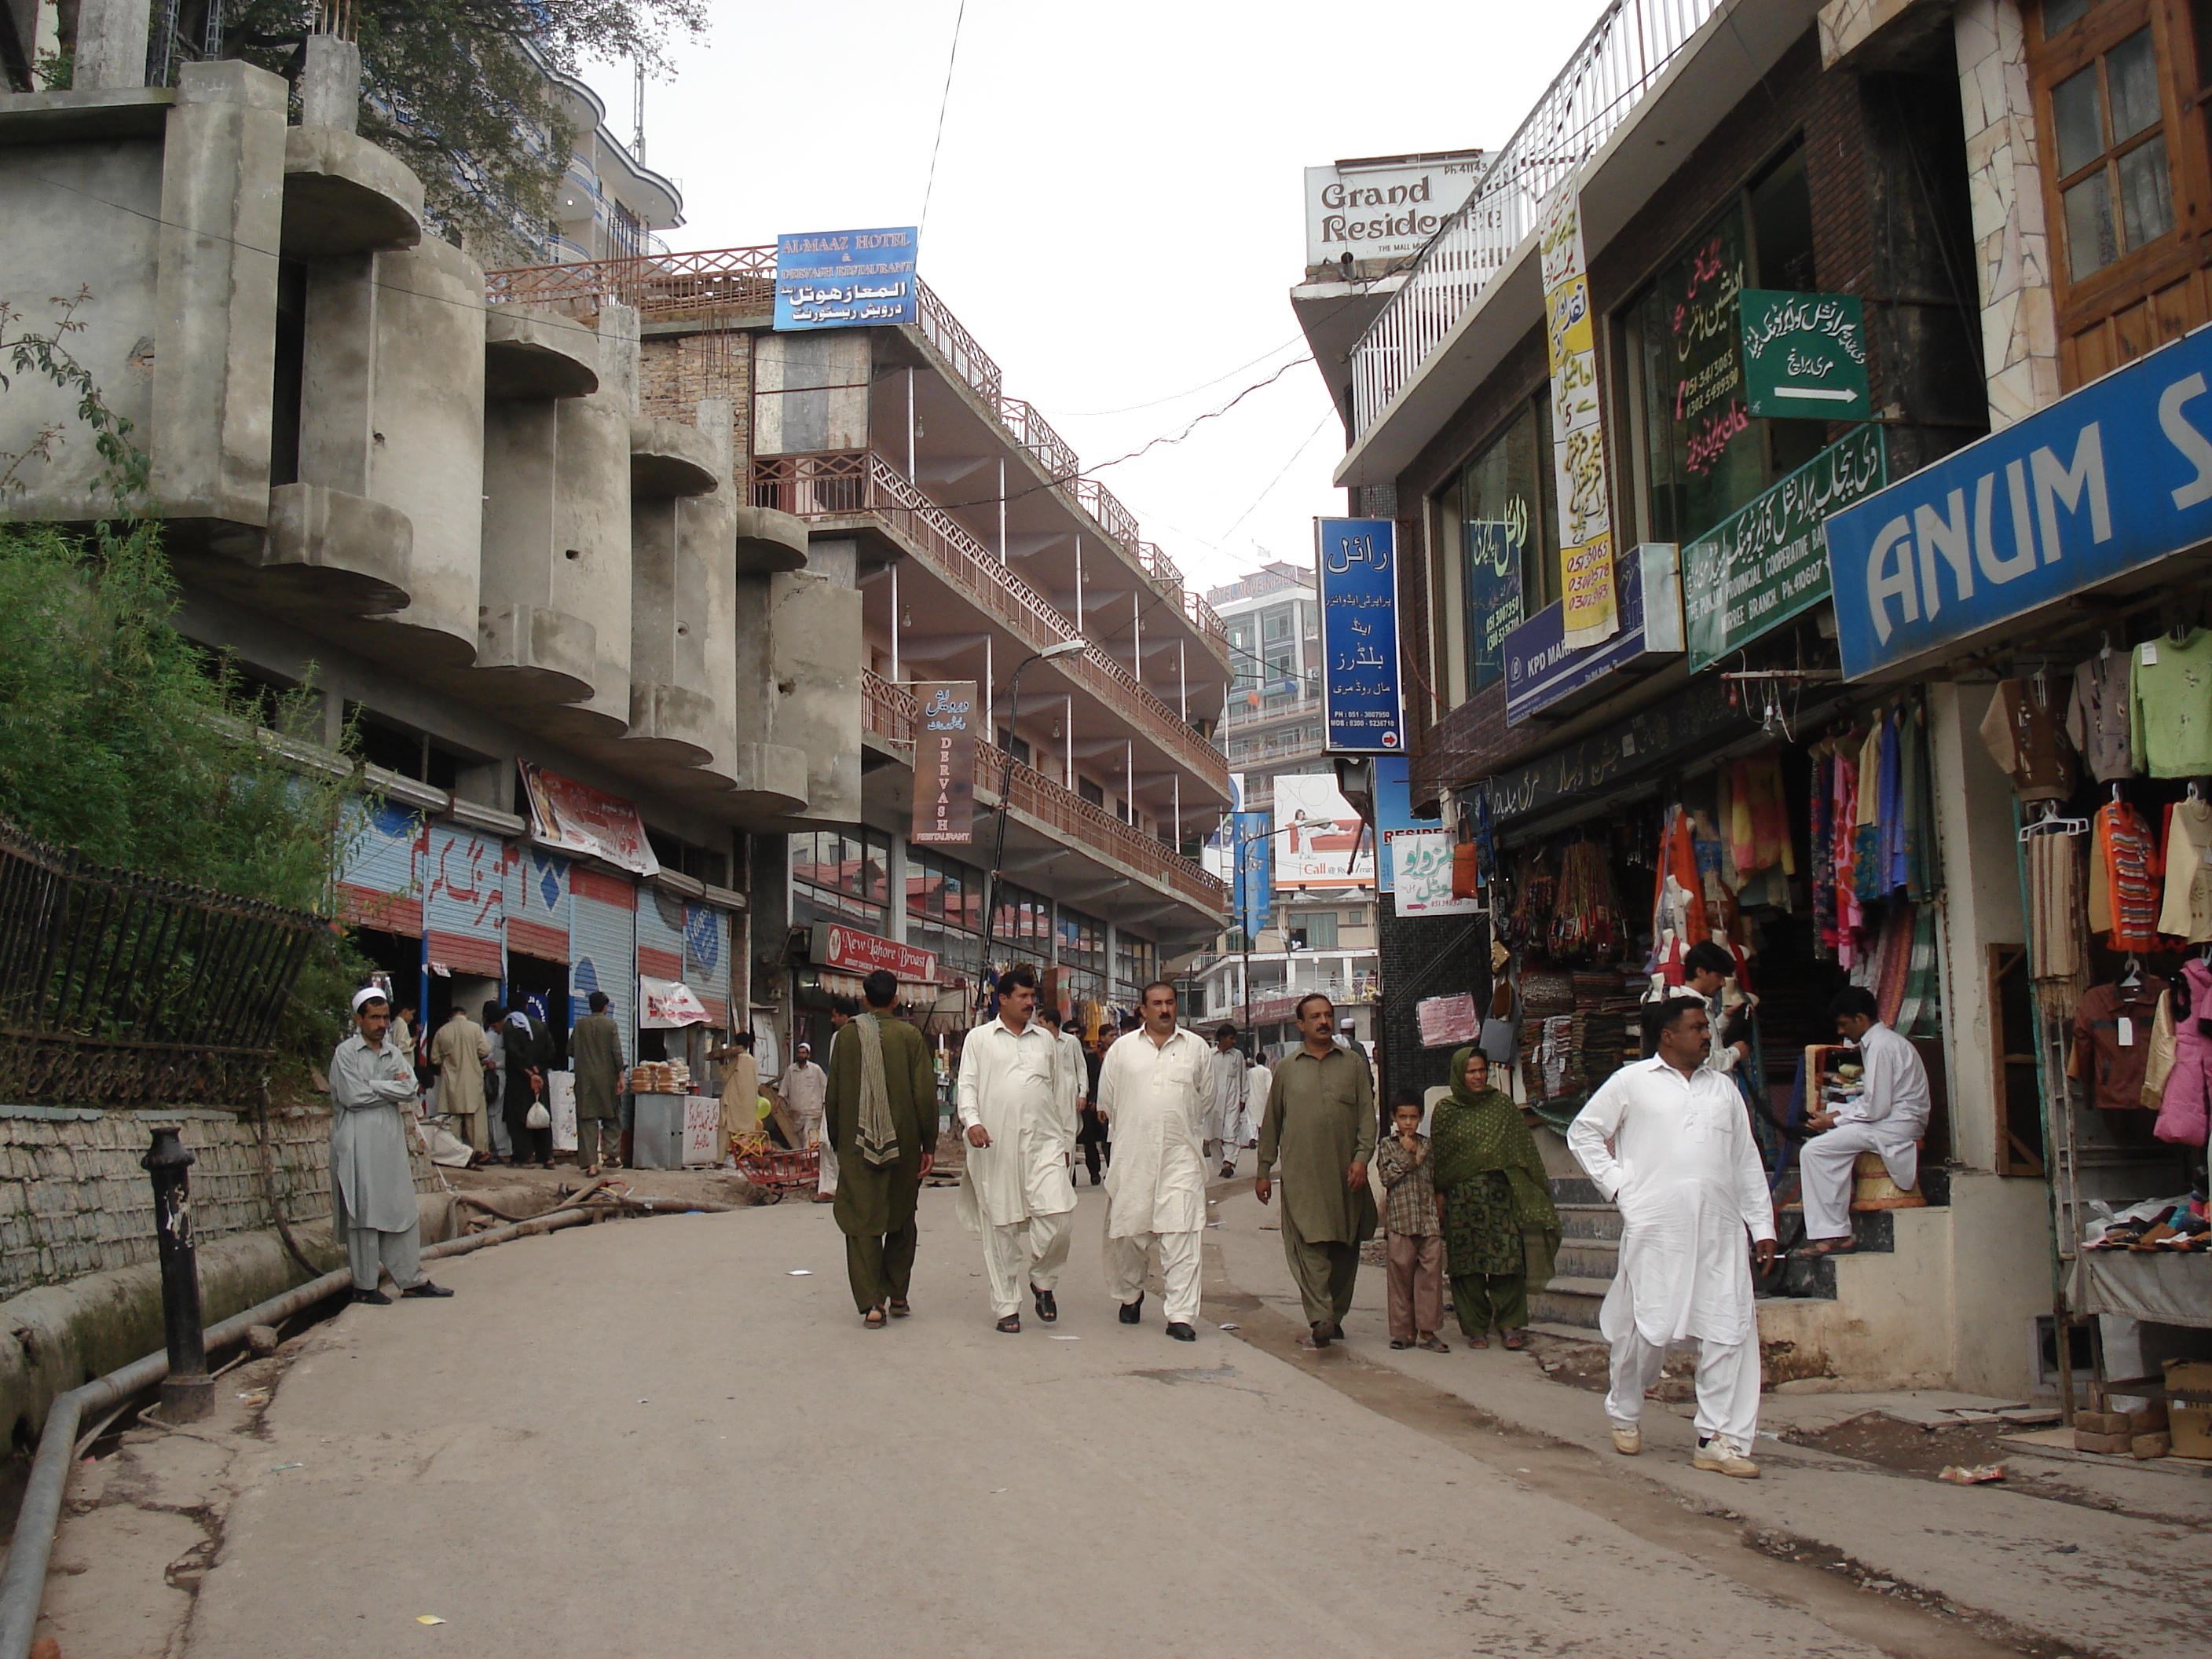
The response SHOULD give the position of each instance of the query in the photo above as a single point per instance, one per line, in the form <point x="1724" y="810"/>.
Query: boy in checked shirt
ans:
<point x="1414" y="1231"/>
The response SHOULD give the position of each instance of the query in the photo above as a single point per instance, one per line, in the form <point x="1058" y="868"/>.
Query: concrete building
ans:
<point x="1320" y="938"/>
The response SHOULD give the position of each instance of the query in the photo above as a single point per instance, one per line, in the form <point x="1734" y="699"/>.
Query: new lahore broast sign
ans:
<point x="852" y="952"/>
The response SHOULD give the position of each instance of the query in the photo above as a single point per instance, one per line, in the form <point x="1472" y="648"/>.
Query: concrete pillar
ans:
<point x="618" y="357"/>
<point x="222" y="187"/>
<point x="593" y="530"/>
<point x="895" y="869"/>
<point x="706" y="530"/>
<point x="330" y="84"/>
<point x="111" y="45"/>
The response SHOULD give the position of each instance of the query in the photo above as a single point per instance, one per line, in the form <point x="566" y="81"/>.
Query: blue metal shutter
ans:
<point x="603" y="946"/>
<point x="377" y="885"/>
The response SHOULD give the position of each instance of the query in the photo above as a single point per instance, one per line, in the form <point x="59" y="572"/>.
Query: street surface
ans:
<point x="656" y="1437"/>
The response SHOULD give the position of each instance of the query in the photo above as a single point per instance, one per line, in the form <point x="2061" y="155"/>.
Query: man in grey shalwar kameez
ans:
<point x="372" y="1188"/>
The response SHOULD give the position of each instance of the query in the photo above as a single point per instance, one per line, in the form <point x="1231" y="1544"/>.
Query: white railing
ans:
<point x="1615" y="65"/>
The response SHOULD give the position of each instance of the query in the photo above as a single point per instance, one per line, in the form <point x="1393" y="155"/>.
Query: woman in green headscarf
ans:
<point x="1501" y="1232"/>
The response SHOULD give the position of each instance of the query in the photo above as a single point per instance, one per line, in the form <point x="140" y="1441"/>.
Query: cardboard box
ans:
<point x="2189" y="1430"/>
<point x="2189" y="1376"/>
<point x="2151" y="1445"/>
<point x="2114" y="1445"/>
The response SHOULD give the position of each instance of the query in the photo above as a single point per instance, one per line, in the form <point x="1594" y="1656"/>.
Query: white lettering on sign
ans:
<point x="2187" y="439"/>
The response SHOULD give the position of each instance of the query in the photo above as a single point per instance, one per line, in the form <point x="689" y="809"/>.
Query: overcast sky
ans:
<point x="1118" y="212"/>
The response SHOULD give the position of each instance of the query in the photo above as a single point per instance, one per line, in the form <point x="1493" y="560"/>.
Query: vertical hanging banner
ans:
<point x="1585" y="497"/>
<point x="1362" y="710"/>
<point x="945" y="764"/>
<point x="1251" y="896"/>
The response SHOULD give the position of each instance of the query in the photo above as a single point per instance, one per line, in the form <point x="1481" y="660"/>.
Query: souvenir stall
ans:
<point x="2109" y="761"/>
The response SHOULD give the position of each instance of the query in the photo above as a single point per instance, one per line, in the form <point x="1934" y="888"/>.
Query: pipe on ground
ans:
<point x="23" y="1584"/>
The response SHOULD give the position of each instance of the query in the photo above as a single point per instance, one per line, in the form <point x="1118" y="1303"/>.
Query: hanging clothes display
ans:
<point x="2187" y="910"/>
<point x="2182" y="1114"/>
<point x="2028" y="739"/>
<point x="2129" y="863"/>
<point x="2170" y="706"/>
<point x="2097" y="715"/>
<point x="2057" y="902"/>
<point x="2111" y="1046"/>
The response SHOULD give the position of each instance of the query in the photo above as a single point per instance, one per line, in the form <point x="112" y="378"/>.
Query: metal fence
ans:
<point x="123" y="989"/>
<point x="1614" y="67"/>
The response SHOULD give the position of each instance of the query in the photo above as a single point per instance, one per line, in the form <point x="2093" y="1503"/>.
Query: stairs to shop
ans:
<point x="1589" y="1250"/>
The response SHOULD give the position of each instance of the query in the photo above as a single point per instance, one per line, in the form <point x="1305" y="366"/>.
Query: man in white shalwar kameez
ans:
<point x="1258" y="1081"/>
<point x="373" y="1091"/>
<point x="1224" y="1112"/>
<point x="1888" y="1117"/>
<point x="1075" y="1069"/>
<point x="1667" y="1141"/>
<point x="1019" y="1189"/>
<point x="1154" y="1093"/>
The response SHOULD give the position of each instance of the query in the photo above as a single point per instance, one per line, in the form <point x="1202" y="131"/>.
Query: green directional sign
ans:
<point x="1804" y="355"/>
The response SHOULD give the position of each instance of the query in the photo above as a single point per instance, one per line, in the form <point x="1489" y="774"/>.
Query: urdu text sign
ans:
<point x="846" y="278"/>
<point x="1363" y="710"/>
<point x="2101" y="483"/>
<point x="1804" y="355"/>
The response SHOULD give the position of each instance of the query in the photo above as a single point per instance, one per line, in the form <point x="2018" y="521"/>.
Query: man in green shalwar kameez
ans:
<point x="1501" y="1230"/>
<point x="881" y="1116"/>
<point x="1320" y="1126"/>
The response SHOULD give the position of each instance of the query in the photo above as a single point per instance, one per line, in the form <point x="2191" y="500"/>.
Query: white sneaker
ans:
<point x="1721" y="1456"/>
<point x="1627" y="1442"/>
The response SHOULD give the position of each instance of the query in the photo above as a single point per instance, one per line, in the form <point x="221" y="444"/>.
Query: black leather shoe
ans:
<point x="374" y="1299"/>
<point x="1183" y="1333"/>
<point x="426" y="1288"/>
<point x="1048" y="1309"/>
<point x="1132" y="1311"/>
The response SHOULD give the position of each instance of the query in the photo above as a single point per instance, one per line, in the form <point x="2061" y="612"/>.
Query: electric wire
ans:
<point x="944" y="101"/>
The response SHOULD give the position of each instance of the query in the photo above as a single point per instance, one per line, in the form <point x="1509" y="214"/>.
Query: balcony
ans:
<point x="862" y="483"/>
<point x="1618" y="64"/>
<point x="720" y="284"/>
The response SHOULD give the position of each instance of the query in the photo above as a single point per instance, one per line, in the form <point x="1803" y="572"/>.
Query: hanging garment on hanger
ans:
<point x="2186" y="913"/>
<point x="2026" y="737"/>
<point x="1866" y="847"/>
<point x="1822" y="843"/>
<point x="2112" y="1030"/>
<point x="2054" y="906"/>
<point x="2181" y="1111"/>
<point x="2097" y="715"/>
<point x="2170" y="706"/>
<point x="2129" y="851"/>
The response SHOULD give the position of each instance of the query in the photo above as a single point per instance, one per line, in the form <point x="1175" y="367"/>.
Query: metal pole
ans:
<point x="188" y="1392"/>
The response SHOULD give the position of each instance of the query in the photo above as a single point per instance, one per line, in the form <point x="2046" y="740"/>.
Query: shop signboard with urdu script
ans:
<point x="1363" y="710"/>
<point x="846" y="278"/>
<point x="1589" y="608"/>
<point x="1758" y="567"/>
<point x="943" y="763"/>
<point x="2102" y="483"/>
<point x="1804" y="355"/>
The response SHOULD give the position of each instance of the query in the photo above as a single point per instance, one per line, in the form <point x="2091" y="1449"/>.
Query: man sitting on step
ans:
<point x="1888" y="1117"/>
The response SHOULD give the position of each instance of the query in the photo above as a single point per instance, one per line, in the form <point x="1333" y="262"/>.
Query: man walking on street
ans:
<point x="1153" y="1093"/>
<point x="1019" y="1188"/>
<point x="1887" y="1118"/>
<point x="460" y="1052"/>
<point x="842" y="1011"/>
<point x="1666" y="1141"/>
<point x="1224" y="1099"/>
<point x="372" y="1188"/>
<point x="1091" y="1135"/>
<point x="803" y="1086"/>
<point x="1321" y="1126"/>
<point x="880" y="1112"/>
<point x="595" y="1051"/>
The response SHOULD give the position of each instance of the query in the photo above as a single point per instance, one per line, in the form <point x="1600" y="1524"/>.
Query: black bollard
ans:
<point x="189" y="1391"/>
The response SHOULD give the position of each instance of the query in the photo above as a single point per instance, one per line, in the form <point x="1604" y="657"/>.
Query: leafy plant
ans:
<point x="44" y="351"/>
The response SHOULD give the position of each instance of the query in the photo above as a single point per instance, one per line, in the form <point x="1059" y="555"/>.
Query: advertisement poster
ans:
<point x="1577" y="425"/>
<point x="944" y="764"/>
<point x="1319" y="841"/>
<point x="1448" y="1022"/>
<point x="1421" y="865"/>
<point x="578" y="818"/>
<point x="843" y="278"/>
<point x="1363" y="711"/>
<point x="1251" y="896"/>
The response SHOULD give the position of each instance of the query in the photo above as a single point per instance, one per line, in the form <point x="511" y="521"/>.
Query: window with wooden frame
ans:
<point x="2122" y="92"/>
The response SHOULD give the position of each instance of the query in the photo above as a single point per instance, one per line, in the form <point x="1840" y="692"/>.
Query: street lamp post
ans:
<point x="1065" y="649"/>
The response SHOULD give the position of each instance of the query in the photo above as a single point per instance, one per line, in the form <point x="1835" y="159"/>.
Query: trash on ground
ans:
<point x="1063" y="1337"/>
<point x="281" y="1467"/>
<point x="1229" y="1327"/>
<point x="802" y="1272"/>
<point x="1961" y="1475"/>
<point x="427" y="1618"/>
<point x="255" y="1396"/>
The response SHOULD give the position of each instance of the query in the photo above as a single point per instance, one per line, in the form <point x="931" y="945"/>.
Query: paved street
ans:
<point x="654" y="1438"/>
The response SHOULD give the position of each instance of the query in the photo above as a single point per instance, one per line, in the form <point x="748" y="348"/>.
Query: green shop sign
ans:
<point x="1759" y="568"/>
<point x="1804" y="355"/>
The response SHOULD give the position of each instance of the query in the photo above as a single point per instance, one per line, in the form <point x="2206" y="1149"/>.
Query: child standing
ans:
<point x="1414" y="1231"/>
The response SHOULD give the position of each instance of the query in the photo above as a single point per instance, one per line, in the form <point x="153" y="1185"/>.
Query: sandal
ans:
<point x="874" y="1320"/>
<point x="1434" y="1344"/>
<point x="1400" y="1342"/>
<point x="1478" y="1342"/>
<point x="1011" y="1325"/>
<point x="1515" y="1340"/>
<point x="901" y="1309"/>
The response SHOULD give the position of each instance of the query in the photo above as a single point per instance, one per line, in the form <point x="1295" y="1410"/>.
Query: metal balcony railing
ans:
<point x="1609" y="73"/>
<point x="889" y="711"/>
<point x="743" y="278"/>
<point x="860" y="481"/>
<point x="1066" y="813"/>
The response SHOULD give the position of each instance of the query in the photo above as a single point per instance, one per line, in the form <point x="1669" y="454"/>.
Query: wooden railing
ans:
<point x="1064" y="812"/>
<point x="824" y="486"/>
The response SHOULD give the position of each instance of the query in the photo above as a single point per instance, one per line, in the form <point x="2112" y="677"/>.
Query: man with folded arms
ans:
<point x="372" y="1187"/>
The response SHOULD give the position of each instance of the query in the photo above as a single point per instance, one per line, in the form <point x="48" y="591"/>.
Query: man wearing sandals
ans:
<point x="1321" y="1124"/>
<point x="880" y="1114"/>
<point x="1887" y="1117"/>
<point x="1019" y="1189"/>
<point x="1666" y="1141"/>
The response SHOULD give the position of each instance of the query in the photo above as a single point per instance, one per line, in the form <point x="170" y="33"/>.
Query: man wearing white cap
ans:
<point x="372" y="1189"/>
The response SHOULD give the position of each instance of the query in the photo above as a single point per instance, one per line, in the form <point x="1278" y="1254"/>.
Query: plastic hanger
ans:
<point x="2131" y="976"/>
<point x="2105" y="649"/>
<point x="2052" y="823"/>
